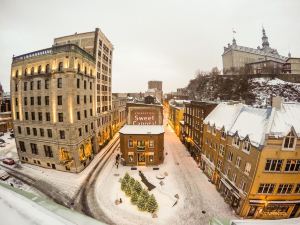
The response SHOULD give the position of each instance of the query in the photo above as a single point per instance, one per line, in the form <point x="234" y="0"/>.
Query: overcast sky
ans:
<point x="164" y="40"/>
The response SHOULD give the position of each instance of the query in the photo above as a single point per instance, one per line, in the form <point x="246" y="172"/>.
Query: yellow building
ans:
<point x="253" y="157"/>
<point x="176" y="111"/>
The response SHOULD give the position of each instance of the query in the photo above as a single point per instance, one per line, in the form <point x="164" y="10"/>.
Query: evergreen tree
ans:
<point x="134" y="198"/>
<point x="142" y="201"/>
<point x="128" y="190"/>
<point x="137" y="187"/>
<point x="126" y="177"/>
<point x="123" y="184"/>
<point x="151" y="204"/>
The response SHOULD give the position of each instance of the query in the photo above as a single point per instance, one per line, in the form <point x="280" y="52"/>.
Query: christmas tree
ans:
<point x="134" y="198"/>
<point x="142" y="201"/>
<point x="123" y="184"/>
<point x="151" y="204"/>
<point x="126" y="177"/>
<point x="137" y="187"/>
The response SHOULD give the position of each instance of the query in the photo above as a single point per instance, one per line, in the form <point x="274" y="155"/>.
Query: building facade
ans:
<point x="252" y="157"/>
<point x="175" y="115"/>
<point x="142" y="145"/>
<point x="118" y="112"/>
<point x="5" y="111"/>
<point x="48" y="90"/>
<point x="194" y="114"/>
<point x="155" y="90"/>
<point x="235" y="57"/>
<point x="98" y="45"/>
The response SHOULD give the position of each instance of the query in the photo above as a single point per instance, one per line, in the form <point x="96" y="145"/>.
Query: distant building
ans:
<point x="118" y="112"/>
<point x="235" y="57"/>
<point x="154" y="84"/>
<point x="155" y="90"/>
<point x="252" y="156"/>
<point x="176" y="110"/>
<point x="5" y="111"/>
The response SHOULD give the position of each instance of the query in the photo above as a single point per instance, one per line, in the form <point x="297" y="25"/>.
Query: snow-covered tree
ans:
<point x="123" y="184"/>
<point x="134" y="197"/>
<point x="126" y="177"/>
<point x="151" y="204"/>
<point x="142" y="201"/>
<point x="137" y="187"/>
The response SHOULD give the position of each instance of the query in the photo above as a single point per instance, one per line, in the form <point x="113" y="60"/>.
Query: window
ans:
<point x="79" y="132"/>
<point x="34" y="149"/>
<point x="31" y="85"/>
<point x="22" y="146"/>
<point x="26" y="116"/>
<point x="49" y="132"/>
<point x="62" y="134"/>
<point x="16" y="87"/>
<point x="32" y="115"/>
<point x="31" y="100"/>
<point x="48" y="151"/>
<point x="233" y="177"/>
<point x="34" y="131"/>
<point x="26" y="72"/>
<point x="39" y="83"/>
<point x="78" y="68"/>
<point x="236" y="141"/>
<point x="213" y="130"/>
<point x="86" y="128"/>
<point x="47" y="116"/>
<point x="59" y="100"/>
<point x="151" y="143"/>
<point x="91" y="99"/>
<point x="19" y="130"/>
<point x="289" y="141"/>
<point x="17" y="101"/>
<point x="273" y="165"/>
<point x="25" y="86"/>
<point x="39" y="98"/>
<point x="266" y="188"/>
<point x="223" y="134"/>
<point x="28" y="130"/>
<point x="246" y="146"/>
<point x="130" y="143"/>
<point x="39" y="69"/>
<point x="230" y="156"/>
<point x="297" y="189"/>
<point x="91" y="112"/>
<point x="17" y="115"/>
<point x="243" y="185"/>
<point x="60" y="117"/>
<point x="285" y="188"/>
<point x="42" y="133"/>
<point x="91" y="86"/>
<point x="31" y="71"/>
<point x="46" y="100"/>
<point x="238" y="161"/>
<point x="47" y="69"/>
<point x="84" y="84"/>
<point x="59" y="82"/>
<point x="40" y="115"/>
<point x="25" y="100"/>
<point x="85" y="70"/>
<point x="292" y="165"/>
<point x="60" y="66"/>
<point x="78" y="83"/>
<point x="219" y="164"/>
<point x="78" y="115"/>
<point x="247" y="168"/>
<point x="84" y="99"/>
<point x="221" y="150"/>
<point x="47" y="84"/>
<point x="78" y="99"/>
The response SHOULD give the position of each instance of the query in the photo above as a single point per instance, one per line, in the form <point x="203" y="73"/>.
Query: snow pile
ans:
<point x="264" y="88"/>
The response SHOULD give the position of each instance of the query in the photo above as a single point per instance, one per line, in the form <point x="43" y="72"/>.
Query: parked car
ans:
<point x="4" y="175"/>
<point x="12" y="135"/>
<point x="1" y="134"/>
<point x="8" y="161"/>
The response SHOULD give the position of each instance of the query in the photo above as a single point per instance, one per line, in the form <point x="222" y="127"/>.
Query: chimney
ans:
<point x="277" y="102"/>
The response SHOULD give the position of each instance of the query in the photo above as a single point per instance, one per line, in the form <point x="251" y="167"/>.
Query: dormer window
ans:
<point x="236" y="141"/>
<point x="289" y="142"/>
<point x="223" y="134"/>
<point x="213" y="130"/>
<point x="246" y="146"/>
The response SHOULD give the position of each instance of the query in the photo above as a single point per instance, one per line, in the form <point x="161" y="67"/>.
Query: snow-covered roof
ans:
<point x="286" y="118"/>
<point x="255" y="123"/>
<point x="142" y="129"/>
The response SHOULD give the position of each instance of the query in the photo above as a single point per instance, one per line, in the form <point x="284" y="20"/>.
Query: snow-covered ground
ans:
<point x="9" y="151"/>
<point x="196" y="193"/>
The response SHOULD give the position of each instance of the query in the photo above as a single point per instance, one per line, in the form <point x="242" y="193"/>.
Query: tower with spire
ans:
<point x="265" y="41"/>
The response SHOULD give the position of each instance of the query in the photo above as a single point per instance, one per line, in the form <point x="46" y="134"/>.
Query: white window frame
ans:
<point x="236" y="137"/>
<point x="238" y="162"/>
<point x="129" y="144"/>
<point x="246" y="146"/>
<point x="247" y="168"/>
<point x="290" y="135"/>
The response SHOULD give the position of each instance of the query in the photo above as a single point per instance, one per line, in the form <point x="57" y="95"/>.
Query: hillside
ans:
<point x="254" y="91"/>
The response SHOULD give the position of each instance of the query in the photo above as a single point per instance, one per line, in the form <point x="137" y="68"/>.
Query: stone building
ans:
<point x="235" y="57"/>
<point x="118" y="112"/>
<point x="58" y="81"/>
<point x="142" y="145"/>
<point x="175" y="114"/>
<point x="252" y="156"/>
<point x="98" y="45"/>
<point x="194" y="115"/>
<point x="155" y="90"/>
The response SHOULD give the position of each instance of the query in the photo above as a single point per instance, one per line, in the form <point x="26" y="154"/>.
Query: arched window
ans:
<point x="26" y="72"/>
<point x="246" y="145"/>
<point x="91" y="72"/>
<point x="78" y="68"/>
<point x="17" y="74"/>
<point x="32" y="71"/>
<point x="47" y="69"/>
<point x="39" y="69"/>
<point x="85" y="70"/>
<point x="289" y="141"/>
<point x="60" y="67"/>
<point x="236" y="141"/>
